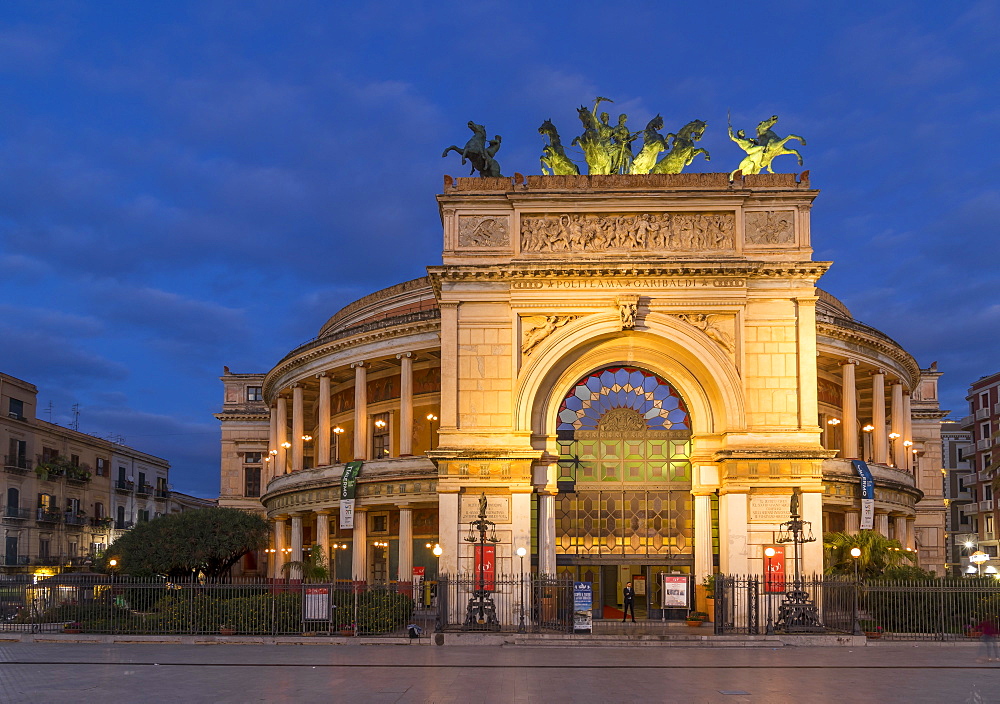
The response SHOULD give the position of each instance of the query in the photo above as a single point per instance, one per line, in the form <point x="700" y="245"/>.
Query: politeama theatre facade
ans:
<point x="637" y="371"/>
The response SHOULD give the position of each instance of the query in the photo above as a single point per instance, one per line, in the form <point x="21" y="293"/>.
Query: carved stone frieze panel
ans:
<point x="535" y="328"/>
<point x="483" y="231"/>
<point x="598" y="232"/>
<point x="770" y="227"/>
<point x="720" y="328"/>
<point x="628" y="307"/>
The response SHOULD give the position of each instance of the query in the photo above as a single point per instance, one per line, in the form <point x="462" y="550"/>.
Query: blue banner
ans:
<point x="867" y="481"/>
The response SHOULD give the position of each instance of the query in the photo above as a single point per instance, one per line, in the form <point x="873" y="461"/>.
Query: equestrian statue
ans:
<point x="554" y="155"/>
<point x="477" y="151"/>
<point x="762" y="149"/>
<point x="683" y="150"/>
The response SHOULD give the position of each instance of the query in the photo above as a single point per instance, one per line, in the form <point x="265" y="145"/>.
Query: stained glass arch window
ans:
<point x="623" y="387"/>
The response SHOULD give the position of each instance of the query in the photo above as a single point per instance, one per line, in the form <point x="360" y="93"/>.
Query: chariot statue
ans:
<point x="683" y="150"/>
<point x="762" y="149"/>
<point x="554" y="157"/>
<point x="477" y="151"/>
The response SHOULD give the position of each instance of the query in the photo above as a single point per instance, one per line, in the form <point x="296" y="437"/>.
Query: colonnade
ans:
<point x="903" y="526"/>
<point x="288" y="532"/>
<point x="288" y="453"/>
<point x="884" y="443"/>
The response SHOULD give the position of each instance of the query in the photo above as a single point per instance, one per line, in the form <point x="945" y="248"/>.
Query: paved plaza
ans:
<point x="82" y="672"/>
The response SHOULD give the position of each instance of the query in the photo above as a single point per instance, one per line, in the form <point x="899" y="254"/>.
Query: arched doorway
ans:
<point x="624" y="511"/>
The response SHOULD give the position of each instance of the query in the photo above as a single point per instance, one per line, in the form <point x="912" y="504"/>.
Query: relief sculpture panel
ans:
<point x="598" y="232"/>
<point x="483" y="231"/>
<point x="770" y="227"/>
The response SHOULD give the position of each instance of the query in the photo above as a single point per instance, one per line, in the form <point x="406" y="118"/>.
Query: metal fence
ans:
<point x="528" y="604"/>
<point x="264" y="607"/>
<point x="930" y="609"/>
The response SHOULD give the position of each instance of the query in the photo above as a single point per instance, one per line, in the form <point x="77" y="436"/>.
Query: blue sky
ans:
<point x="191" y="184"/>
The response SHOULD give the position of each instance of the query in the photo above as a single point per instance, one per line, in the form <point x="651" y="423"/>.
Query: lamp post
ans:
<point x="856" y="553"/>
<point x="521" y="552"/>
<point x="431" y="419"/>
<point x="481" y="613"/>
<point x="868" y="440"/>
<point x="337" y="431"/>
<point x="892" y="448"/>
<point x="907" y="444"/>
<point x="438" y="551"/>
<point x="797" y="613"/>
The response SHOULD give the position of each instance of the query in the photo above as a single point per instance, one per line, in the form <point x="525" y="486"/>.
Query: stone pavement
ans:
<point x="55" y="672"/>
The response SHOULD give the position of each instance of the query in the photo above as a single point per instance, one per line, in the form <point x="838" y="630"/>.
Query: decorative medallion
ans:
<point x="770" y="227"/>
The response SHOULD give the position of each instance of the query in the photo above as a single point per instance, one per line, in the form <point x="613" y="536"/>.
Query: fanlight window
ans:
<point x="656" y="401"/>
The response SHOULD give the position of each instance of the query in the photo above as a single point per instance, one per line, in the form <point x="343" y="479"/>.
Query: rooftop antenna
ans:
<point x="75" y="425"/>
<point x="48" y="409"/>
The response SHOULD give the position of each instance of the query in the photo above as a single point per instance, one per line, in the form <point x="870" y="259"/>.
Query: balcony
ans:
<point x="45" y="515"/>
<point x="986" y="505"/>
<point x="102" y="523"/>
<point x="983" y="444"/>
<point x="13" y="560"/>
<point x="144" y="490"/>
<point x="16" y="464"/>
<point x="124" y="486"/>
<point x="75" y="520"/>
<point x="162" y="494"/>
<point x="124" y="525"/>
<point x="15" y="513"/>
<point x="50" y="470"/>
<point x="78" y="475"/>
<point x="982" y="414"/>
<point x="47" y="561"/>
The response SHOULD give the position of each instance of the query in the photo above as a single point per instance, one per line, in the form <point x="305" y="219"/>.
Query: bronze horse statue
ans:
<point x="652" y="144"/>
<point x="554" y="155"/>
<point x="595" y="146"/>
<point x="762" y="150"/>
<point x="477" y="151"/>
<point x="683" y="150"/>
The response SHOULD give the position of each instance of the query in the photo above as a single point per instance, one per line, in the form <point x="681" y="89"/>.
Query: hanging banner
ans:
<point x="583" y="606"/>
<point x="675" y="591"/>
<point x="867" y="494"/>
<point x="486" y="567"/>
<point x="348" y="486"/>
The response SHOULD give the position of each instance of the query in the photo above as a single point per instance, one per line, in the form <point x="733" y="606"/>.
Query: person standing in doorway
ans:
<point x="628" y="598"/>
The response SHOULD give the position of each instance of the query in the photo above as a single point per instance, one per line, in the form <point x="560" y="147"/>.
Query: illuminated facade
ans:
<point x="636" y="370"/>
<point x="67" y="495"/>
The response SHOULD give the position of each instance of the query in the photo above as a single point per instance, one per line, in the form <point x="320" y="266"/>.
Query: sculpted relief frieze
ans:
<point x="719" y="328"/>
<point x="535" y="328"/>
<point x="483" y="231"/>
<point x="598" y="232"/>
<point x="770" y="227"/>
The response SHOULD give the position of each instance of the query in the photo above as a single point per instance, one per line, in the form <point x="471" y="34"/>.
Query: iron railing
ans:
<point x="529" y="603"/>
<point x="925" y="609"/>
<point x="97" y="603"/>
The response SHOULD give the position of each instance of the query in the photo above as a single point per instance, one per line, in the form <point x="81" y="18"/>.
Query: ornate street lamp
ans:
<point x="481" y="613"/>
<point x="521" y="552"/>
<point x="855" y="554"/>
<point x="796" y="612"/>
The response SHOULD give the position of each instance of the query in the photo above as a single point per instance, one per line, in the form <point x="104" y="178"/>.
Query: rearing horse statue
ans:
<point x="652" y="144"/>
<point x="762" y="150"/>
<point x="683" y="150"/>
<point x="477" y="151"/>
<point x="596" y="139"/>
<point x="553" y="154"/>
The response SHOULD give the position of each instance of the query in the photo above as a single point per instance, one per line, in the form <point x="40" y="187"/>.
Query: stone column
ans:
<point x="298" y="427"/>
<point x="296" y="554"/>
<point x="520" y="534"/>
<point x="908" y="433"/>
<point x="405" y="576"/>
<point x="852" y="522"/>
<point x="702" y="537"/>
<point x="733" y="544"/>
<point x="812" y="553"/>
<point x="849" y="410"/>
<point x="359" y="563"/>
<point x="279" y="547"/>
<point x="899" y="524"/>
<point x="911" y="535"/>
<point x="405" y="404"/>
<point x="898" y="455"/>
<point x="448" y="414"/>
<point x="882" y="523"/>
<point x="360" y="410"/>
<point x="323" y="537"/>
<point x="880" y="442"/>
<point x="281" y="459"/>
<point x="448" y="533"/>
<point x="272" y="444"/>
<point x="323" y="440"/>
<point x="546" y="533"/>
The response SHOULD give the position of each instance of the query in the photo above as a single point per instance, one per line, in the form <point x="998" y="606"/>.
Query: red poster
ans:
<point x="487" y="562"/>
<point x="774" y="569"/>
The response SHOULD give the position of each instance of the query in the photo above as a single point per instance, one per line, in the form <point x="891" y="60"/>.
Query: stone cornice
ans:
<point x="859" y="334"/>
<point x="243" y="415"/>
<point x="563" y="269"/>
<point x="344" y="340"/>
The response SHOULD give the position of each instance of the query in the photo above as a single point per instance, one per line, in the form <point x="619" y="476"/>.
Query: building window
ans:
<point x="380" y="523"/>
<point x="380" y="436"/>
<point x="72" y="549"/>
<point x="43" y="548"/>
<point x="252" y="457"/>
<point x="98" y="510"/>
<point x="74" y="460"/>
<point x="17" y="453"/>
<point x="15" y="409"/>
<point x="255" y="393"/>
<point x="251" y="482"/>
<point x="101" y="466"/>
<point x="984" y="431"/>
<point x="49" y="454"/>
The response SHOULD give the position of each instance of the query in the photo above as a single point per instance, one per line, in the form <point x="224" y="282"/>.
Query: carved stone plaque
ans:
<point x="497" y="509"/>
<point x="770" y="227"/>
<point x="599" y="232"/>
<point x="483" y="231"/>
<point x="769" y="509"/>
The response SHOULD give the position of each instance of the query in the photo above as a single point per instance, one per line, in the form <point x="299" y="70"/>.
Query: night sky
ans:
<point x="188" y="185"/>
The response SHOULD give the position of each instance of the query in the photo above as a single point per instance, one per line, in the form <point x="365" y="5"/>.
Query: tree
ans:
<point x="207" y="540"/>
<point x="878" y="553"/>
<point x="313" y="568"/>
